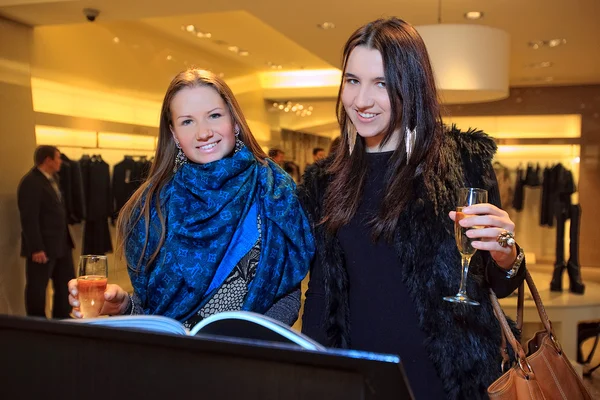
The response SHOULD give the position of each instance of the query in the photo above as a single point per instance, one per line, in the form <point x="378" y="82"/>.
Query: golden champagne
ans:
<point x="463" y="242"/>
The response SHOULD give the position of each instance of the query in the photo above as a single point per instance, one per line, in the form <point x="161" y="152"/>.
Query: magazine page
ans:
<point x="249" y="325"/>
<point x="150" y="323"/>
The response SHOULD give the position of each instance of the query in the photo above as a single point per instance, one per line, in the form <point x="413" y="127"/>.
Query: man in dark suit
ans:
<point x="45" y="239"/>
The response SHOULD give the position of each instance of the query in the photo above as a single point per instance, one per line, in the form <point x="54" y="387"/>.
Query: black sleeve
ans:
<point x="310" y="194"/>
<point x="496" y="276"/>
<point x="29" y="201"/>
<point x="313" y="318"/>
<point x="286" y="308"/>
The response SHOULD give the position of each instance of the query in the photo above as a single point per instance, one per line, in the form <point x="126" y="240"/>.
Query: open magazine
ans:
<point x="240" y="324"/>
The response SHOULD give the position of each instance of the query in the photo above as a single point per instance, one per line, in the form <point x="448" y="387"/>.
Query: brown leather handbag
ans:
<point x="545" y="372"/>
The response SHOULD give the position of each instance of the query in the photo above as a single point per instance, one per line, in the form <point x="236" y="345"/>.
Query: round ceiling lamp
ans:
<point x="470" y="62"/>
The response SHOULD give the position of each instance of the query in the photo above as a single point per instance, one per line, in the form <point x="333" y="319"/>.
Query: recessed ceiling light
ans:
<point x="169" y="57"/>
<point x="326" y="25"/>
<point x="234" y="49"/>
<point x="537" y="44"/>
<point x="203" y="35"/>
<point x="116" y="39"/>
<point x="473" y="15"/>
<point x="556" y="42"/>
<point x="543" y="64"/>
<point x="243" y="53"/>
<point x="190" y="28"/>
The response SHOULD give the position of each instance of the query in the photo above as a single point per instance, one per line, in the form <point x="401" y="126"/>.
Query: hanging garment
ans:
<point x="546" y="218"/>
<point x="519" y="195"/>
<point x="126" y="179"/>
<point x="72" y="189"/>
<point x="505" y="185"/>
<point x="96" y="177"/>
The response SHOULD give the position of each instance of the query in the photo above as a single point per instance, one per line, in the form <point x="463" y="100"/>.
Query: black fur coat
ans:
<point x="463" y="342"/>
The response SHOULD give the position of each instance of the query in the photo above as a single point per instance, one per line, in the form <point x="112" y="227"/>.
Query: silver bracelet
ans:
<point x="517" y="264"/>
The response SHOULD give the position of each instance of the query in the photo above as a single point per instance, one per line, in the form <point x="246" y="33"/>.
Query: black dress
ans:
<point x="382" y="315"/>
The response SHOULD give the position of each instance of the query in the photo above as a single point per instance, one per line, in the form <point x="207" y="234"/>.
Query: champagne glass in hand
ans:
<point x="91" y="284"/>
<point x="466" y="197"/>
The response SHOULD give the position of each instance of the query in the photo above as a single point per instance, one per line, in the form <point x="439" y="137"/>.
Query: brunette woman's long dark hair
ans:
<point x="414" y="105"/>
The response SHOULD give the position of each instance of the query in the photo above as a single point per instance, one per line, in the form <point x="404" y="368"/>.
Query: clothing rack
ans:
<point x="103" y="148"/>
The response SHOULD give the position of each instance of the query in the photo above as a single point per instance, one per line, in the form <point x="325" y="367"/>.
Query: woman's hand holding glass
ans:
<point x="494" y="221"/>
<point x="116" y="300"/>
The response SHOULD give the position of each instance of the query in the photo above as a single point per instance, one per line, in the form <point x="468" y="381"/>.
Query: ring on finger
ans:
<point x="506" y="239"/>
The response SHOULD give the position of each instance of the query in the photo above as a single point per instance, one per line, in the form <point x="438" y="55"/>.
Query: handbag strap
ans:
<point x="520" y="306"/>
<point x="520" y="312"/>
<point x="541" y="310"/>
<point x="507" y="334"/>
<point x="506" y="331"/>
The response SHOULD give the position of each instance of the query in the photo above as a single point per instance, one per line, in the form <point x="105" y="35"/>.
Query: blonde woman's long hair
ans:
<point x="161" y="172"/>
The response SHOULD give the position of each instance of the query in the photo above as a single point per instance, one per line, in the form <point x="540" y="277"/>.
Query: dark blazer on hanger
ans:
<point x="72" y="187"/>
<point x="127" y="177"/>
<point x="96" y="178"/>
<point x="43" y="217"/>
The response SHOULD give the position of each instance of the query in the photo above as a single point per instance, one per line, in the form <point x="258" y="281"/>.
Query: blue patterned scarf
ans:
<point x="203" y="205"/>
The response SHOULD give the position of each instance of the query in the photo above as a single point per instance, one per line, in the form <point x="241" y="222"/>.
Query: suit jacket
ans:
<point x="127" y="177"/>
<point x="72" y="187"/>
<point x="43" y="217"/>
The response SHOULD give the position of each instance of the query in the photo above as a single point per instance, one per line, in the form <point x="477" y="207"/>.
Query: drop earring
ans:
<point x="352" y="133"/>
<point x="238" y="143"/>
<point x="180" y="158"/>
<point x="410" y="138"/>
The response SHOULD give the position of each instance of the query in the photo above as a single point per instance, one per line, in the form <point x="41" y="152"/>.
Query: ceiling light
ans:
<point x="326" y="25"/>
<point x="243" y="53"/>
<point x="169" y="57"/>
<point x="543" y="64"/>
<point x="289" y="107"/>
<point x="537" y="44"/>
<point x="556" y="42"/>
<point x="190" y="28"/>
<point x="234" y="49"/>
<point x="470" y="62"/>
<point x="474" y="15"/>
<point x="116" y="39"/>
<point x="203" y="35"/>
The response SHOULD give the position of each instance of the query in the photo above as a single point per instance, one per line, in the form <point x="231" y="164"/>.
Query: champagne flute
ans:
<point x="466" y="197"/>
<point x="91" y="284"/>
